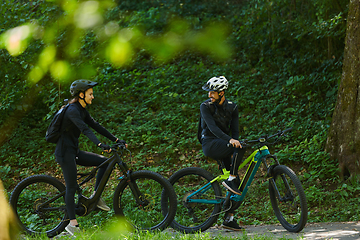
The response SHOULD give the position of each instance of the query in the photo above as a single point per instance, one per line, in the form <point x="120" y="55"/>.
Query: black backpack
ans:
<point x="199" y="131"/>
<point x="53" y="132"/>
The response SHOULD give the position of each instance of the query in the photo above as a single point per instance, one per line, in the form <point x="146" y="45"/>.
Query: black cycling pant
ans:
<point x="68" y="165"/>
<point x="231" y="157"/>
<point x="218" y="149"/>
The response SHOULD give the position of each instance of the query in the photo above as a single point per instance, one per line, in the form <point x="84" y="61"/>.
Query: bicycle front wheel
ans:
<point x="139" y="201"/>
<point x="288" y="199"/>
<point x="39" y="205"/>
<point x="201" y="214"/>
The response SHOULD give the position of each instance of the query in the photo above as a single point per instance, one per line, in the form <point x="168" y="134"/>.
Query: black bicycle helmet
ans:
<point x="81" y="86"/>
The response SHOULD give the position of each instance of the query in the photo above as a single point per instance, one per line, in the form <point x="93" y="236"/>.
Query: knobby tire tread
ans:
<point x="278" y="170"/>
<point x="27" y="182"/>
<point x="145" y="174"/>
<point x="217" y="208"/>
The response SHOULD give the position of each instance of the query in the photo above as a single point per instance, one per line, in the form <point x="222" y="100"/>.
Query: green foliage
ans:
<point x="14" y="69"/>
<point x="285" y="65"/>
<point x="114" y="232"/>
<point x="4" y="171"/>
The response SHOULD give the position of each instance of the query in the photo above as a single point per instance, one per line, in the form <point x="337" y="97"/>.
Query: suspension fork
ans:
<point x="270" y="173"/>
<point x="132" y="184"/>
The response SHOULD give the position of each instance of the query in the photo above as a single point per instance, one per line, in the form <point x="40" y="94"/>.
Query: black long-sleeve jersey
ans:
<point x="78" y="120"/>
<point x="219" y="121"/>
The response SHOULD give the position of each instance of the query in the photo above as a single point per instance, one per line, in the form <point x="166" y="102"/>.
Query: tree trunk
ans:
<point x="343" y="141"/>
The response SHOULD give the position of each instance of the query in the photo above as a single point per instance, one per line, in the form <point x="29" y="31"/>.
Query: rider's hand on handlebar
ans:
<point x="122" y="142"/>
<point x="235" y="143"/>
<point x="105" y="148"/>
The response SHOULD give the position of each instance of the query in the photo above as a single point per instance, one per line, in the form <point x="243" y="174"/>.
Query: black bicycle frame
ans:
<point x="86" y="205"/>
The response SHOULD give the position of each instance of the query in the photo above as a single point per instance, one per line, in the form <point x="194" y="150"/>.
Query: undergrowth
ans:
<point x="114" y="231"/>
<point x="284" y="72"/>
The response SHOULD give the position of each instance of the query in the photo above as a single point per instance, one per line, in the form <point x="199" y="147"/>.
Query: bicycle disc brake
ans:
<point x="289" y="199"/>
<point x="145" y="202"/>
<point x="37" y="208"/>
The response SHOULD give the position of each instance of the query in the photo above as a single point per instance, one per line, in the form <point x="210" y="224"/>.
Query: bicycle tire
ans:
<point x="26" y="199"/>
<point x="194" y="217"/>
<point x="148" y="214"/>
<point x="292" y="212"/>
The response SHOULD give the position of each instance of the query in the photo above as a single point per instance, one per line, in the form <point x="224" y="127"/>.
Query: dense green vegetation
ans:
<point x="284" y="69"/>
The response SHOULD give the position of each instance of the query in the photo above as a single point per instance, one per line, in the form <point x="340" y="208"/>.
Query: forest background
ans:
<point x="283" y="60"/>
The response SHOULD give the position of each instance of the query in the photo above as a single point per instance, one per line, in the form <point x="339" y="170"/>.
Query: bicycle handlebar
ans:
<point x="280" y="133"/>
<point x="116" y="146"/>
<point x="264" y="139"/>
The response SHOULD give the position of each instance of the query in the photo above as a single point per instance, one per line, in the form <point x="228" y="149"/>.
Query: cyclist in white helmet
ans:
<point x="219" y="137"/>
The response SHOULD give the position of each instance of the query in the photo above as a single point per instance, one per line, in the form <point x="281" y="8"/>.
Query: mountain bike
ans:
<point x="200" y="199"/>
<point x="39" y="203"/>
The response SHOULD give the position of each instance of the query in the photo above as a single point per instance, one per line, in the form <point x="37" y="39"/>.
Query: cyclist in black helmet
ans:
<point x="78" y="120"/>
<point x="219" y="137"/>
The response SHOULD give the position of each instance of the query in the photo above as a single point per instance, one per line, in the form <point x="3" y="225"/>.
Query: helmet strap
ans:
<point x="220" y="98"/>
<point x="217" y="101"/>
<point x="83" y="98"/>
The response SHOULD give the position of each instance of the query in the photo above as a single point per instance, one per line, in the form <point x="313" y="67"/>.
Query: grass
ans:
<point x="116" y="232"/>
<point x="327" y="202"/>
<point x="329" y="199"/>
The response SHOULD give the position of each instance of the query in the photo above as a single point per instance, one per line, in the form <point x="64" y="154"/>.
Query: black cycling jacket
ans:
<point x="78" y="120"/>
<point x="218" y="121"/>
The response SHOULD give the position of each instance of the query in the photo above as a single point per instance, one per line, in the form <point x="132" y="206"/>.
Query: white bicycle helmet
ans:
<point x="217" y="84"/>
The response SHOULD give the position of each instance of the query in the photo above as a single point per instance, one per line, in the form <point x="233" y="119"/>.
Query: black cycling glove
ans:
<point x="104" y="146"/>
<point x="121" y="141"/>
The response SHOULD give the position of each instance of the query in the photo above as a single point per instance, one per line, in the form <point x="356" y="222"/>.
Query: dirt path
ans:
<point x="313" y="231"/>
<point x="335" y="231"/>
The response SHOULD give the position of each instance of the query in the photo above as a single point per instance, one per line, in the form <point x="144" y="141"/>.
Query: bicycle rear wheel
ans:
<point x="291" y="208"/>
<point x="38" y="205"/>
<point x="193" y="217"/>
<point x="145" y="214"/>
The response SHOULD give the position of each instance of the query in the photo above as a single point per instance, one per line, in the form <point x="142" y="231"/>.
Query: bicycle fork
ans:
<point x="132" y="184"/>
<point x="288" y="194"/>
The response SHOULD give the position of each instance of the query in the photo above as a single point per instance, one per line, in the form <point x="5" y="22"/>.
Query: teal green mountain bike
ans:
<point x="200" y="198"/>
